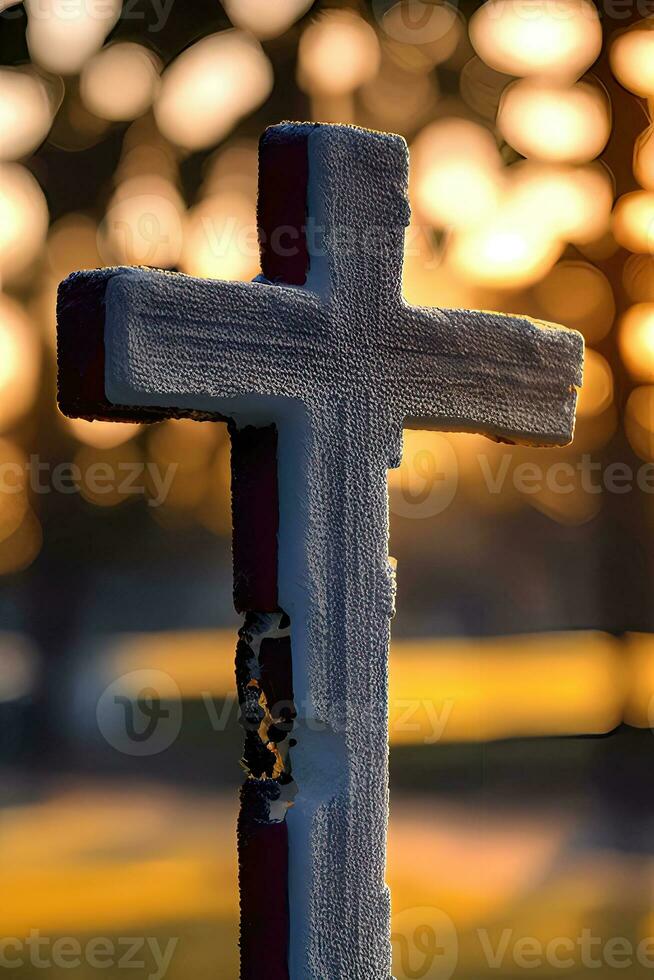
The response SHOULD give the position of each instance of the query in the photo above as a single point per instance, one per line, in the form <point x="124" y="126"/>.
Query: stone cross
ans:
<point x="317" y="365"/>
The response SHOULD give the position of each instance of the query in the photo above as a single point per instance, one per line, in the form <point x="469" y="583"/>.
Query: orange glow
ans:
<point x="639" y="424"/>
<point x="632" y="58"/>
<point x="537" y="37"/>
<point x="456" y="172"/>
<point x="596" y="393"/>
<point x="575" y="202"/>
<point x="422" y="34"/>
<point x="553" y="122"/>
<point x="210" y="86"/>
<point x="27" y="107"/>
<point x="102" y="435"/>
<point x="337" y="54"/>
<point x="143" y="224"/>
<point x="61" y="37"/>
<point x="578" y="295"/>
<point x="20" y="363"/>
<point x="636" y="341"/>
<point x="23" y="220"/>
<point x="220" y="239"/>
<point x="507" y="250"/>
<point x="264" y="19"/>
<point x="72" y="244"/>
<point x="633" y="221"/>
<point x="121" y="81"/>
<point x="638" y="278"/>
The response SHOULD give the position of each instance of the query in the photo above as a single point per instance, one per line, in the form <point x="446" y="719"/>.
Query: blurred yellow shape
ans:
<point x="83" y="860"/>
<point x="577" y="295"/>
<point x="456" y="172"/>
<point x="20" y="362"/>
<point x="507" y="250"/>
<point x="19" y="667"/>
<point x="632" y="58"/>
<point x="264" y="19"/>
<point x="596" y="393"/>
<point x="553" y="122"/>
<point x="72" y="244"/>
<point x="102" y="435"/>
<point x="220" y="238"/>
<point x="573" y="202"/>
<point x="639" y="421"/>
<point x="638" y="278"/>
<point x="639" y="709"/>
<point x="61" y="37"/>
<point x="103" y="474"/>
<point x="633" y="221"/>
<point x="210" y="86"/>
<point x="644" y="159"/>
<point x="636" y="340"/>
<point x="559" y="38"/>
<point x="143" y="224"/>
<point x="338" y="52"/>
<point x="120" y="82"/>
<point x="545" y="684"/>
<point x="27" y="106"/>
<point x="441" y="690"/>
<point x="432" y="31"/>
<point x="23" y="220"/>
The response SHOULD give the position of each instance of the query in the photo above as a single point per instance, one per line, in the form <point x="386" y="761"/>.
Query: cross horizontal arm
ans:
<point x="508" y="377"/>
<point x="137" y="343"/>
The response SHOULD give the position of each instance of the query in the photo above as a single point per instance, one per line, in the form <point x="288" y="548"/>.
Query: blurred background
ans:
<point x="523" y="657"/>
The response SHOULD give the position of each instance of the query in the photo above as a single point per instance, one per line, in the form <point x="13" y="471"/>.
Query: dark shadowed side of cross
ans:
<point x="317" y="365"/>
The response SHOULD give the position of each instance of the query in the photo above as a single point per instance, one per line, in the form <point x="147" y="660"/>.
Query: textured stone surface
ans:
<point x="338" y="362"/>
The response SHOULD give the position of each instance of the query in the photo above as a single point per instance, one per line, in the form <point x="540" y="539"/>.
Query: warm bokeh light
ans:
<point x="121" y="81"/>
<point x="210" y="86"/>
<point x="639" y="423"/>
<point x="633" y="221"/>
<point x="264" y="19"/>
<point x="73" y="244"/>
<point x="578" y="295"/>
<point x="644" y="159"/>
<point x="481" y="87"/>
<point x="23" y="220"/>
<point x="337" y="54"/>
<point x="220" y="238"/>
<point x="103" y="473"/>
<point x="596" y="392"/>
<point x="632" y="58"/>
<point x="398" y="99"/>
<point x="555" y="123"/>
<point x="638" y="278"/>
<point x="573" y="202"/>
<point x="190" y="447"/>
<point x="102" y="435"/>
<point x="537" y="37"/>
<point x="28" y="103"/>
<point x="636" y="340"/>
<point x="61" y="37"/>
<point x="20" y="363"/>
<point x="143" y="224"/>
<point x="456" y="172"/>
<point x="507" y="250"/>
<point x="422" y="34"/>
<point x="502" y="687"/>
